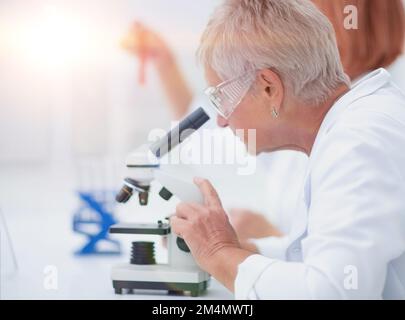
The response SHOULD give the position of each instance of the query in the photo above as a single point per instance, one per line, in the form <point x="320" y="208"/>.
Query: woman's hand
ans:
<point x="252" y="225"/>
<point x="205" y="228"/>
<point x="209" y="235"/>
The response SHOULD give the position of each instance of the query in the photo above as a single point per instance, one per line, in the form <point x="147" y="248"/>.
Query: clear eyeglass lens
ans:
<point x="227" y="96"/>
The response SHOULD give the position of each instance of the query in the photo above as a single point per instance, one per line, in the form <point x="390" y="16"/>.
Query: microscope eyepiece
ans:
<point x="177" y="135"/>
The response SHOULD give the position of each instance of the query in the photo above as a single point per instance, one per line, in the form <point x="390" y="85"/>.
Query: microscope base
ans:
<point x="159" y="277"/>
<point x="195" y="289"/>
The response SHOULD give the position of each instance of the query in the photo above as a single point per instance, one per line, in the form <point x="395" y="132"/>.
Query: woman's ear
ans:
<point x="271" y="85"/>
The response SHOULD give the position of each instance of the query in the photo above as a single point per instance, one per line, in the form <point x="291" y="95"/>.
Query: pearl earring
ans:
<point x="274" y="113"/>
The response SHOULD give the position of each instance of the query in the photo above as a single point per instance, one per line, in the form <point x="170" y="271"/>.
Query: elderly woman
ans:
<point x="377" y="43"/>
<point x="274" y="66"/>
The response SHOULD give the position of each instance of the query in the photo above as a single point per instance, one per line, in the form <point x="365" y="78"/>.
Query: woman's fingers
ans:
<point x="211" y="198"/>
<point x="179" y="226"/>
<point x="188" y="211"/>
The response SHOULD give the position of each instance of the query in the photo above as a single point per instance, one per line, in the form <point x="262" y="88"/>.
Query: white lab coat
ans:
<point x="347" y="240"/>
<point x="286" y="171"/>
<point x="397" y="71"/>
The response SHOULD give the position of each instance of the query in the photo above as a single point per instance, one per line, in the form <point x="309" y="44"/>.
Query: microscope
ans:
<point x="180" y="274"/>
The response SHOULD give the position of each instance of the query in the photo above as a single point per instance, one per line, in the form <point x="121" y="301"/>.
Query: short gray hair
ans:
<point x="291" y="37"/>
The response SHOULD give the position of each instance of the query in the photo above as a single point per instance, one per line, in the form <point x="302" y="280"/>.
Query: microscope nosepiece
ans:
<point x="127" y="191"/>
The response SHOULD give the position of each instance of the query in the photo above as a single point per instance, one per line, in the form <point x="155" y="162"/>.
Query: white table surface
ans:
<point x="84" y="278"/>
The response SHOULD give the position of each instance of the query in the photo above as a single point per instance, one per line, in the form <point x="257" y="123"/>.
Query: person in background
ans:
<point x="377" y="42"/>
<point x="149" y="47"/>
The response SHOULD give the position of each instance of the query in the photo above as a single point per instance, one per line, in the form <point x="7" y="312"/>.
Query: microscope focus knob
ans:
<point x="182" y="244"/>
<point x="165" y="194"/>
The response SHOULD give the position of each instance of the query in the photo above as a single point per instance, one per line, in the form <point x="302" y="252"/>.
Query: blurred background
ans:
<point x="62" y="67"/>
<point x="71" y="109"/>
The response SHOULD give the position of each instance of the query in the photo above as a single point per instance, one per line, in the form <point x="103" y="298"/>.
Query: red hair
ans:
<point x="379" y="39"/>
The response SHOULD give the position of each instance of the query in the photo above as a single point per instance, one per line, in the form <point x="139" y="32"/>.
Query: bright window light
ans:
<point x="54" y="38"/>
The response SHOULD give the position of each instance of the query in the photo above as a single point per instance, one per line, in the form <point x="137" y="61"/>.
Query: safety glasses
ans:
<point x="226" y="96"/>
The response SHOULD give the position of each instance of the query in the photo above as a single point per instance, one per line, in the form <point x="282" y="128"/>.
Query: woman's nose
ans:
<point x="222" y="122"/>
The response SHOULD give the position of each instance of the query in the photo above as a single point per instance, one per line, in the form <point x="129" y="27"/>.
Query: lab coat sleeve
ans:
<point x="356" y="223"/>
<point x="271" y="247"/>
